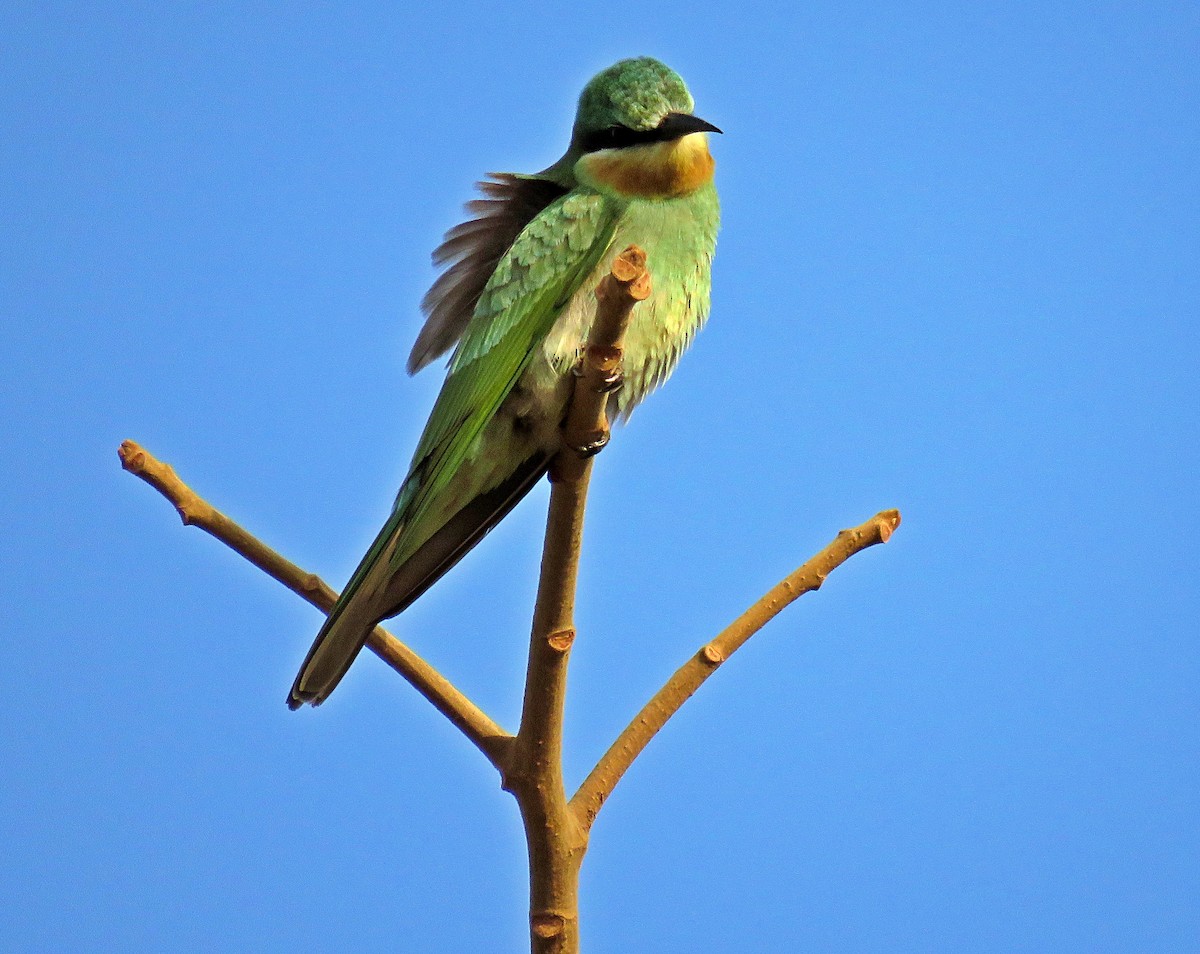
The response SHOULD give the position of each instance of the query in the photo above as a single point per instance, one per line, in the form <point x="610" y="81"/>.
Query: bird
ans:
<point x="515" y="301"/>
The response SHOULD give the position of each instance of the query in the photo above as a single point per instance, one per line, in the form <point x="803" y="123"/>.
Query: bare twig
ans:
<point x="476" y="725"/>
<point x="587" y="802"/>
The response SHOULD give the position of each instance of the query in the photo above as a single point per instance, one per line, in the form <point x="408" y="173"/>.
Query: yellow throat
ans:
<point x="657" y="170"/>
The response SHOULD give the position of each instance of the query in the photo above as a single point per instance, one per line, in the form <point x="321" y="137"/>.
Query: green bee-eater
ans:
<point x="515" y="302"/>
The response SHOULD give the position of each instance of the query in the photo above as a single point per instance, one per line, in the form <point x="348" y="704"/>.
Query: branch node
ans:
<point x="561" y="641"/>
<point x="889" y="520"/>
<point x="630" y="264"/>
<point x="639" y="288"/>
<point x="189" y="508"/>
<point x="311" y="583"/>
<point x="712" y="655"/>
<point x="133" y="458"/>
<point x="603" y="357"/>
<point x="546" y="924"/>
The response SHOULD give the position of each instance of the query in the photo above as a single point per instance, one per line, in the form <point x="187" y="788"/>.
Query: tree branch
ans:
<point x="556" y="840"/>
<point x="475" y="724"/>
<point x="596" y="788"/>
<point x="530" y="763"/>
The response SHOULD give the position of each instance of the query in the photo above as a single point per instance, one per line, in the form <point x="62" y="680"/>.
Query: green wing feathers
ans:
<point x="551" y="258"/>
<point x="555" y="253"/>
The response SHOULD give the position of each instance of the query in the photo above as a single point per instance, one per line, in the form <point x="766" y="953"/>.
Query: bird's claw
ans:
<point x="591" y="444"/>
<point x="611" y="381"/>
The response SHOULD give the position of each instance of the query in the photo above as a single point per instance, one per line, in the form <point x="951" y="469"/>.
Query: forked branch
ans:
<point x="530" y="763"/>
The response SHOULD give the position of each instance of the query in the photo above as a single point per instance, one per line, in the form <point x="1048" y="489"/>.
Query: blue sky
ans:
<point x="957" y="275"/>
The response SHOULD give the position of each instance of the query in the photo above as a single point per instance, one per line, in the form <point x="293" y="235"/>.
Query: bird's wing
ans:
<point x="470" y="254"/>
<point x="550" y="259"/>
<point x="532" y="282"/>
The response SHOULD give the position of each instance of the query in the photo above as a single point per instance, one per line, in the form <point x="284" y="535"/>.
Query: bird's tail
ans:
<point x="377" y="590"/>
<point x="333" y="651"/>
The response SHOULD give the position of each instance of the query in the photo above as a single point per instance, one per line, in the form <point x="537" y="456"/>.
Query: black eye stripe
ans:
<point x="618" y="137"/>
<point x="672" y="126"/>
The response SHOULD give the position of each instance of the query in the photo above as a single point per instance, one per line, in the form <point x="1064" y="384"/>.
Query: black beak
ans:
<point x="675" y="125"/>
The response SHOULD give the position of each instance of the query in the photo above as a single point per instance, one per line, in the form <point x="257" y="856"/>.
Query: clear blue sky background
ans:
<point x="958" y="276"/>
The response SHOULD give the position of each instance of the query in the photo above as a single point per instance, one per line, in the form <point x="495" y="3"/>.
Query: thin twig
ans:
<point x="475" y="724"/>
<point x="587" y="802"/>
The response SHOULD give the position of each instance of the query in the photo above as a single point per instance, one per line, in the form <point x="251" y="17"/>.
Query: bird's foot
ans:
<point x="590" y="444"/>
<point x="612" y="380"/>
<point x="609" y="382"/>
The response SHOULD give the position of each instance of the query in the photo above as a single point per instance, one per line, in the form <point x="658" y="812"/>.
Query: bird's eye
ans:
<point x="615" y="136"/>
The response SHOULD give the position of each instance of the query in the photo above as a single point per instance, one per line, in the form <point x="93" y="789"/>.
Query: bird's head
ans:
<point x="635" y="134"/>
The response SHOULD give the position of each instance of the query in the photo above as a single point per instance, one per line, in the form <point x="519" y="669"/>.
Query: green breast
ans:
<point x="679" y="237"/>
